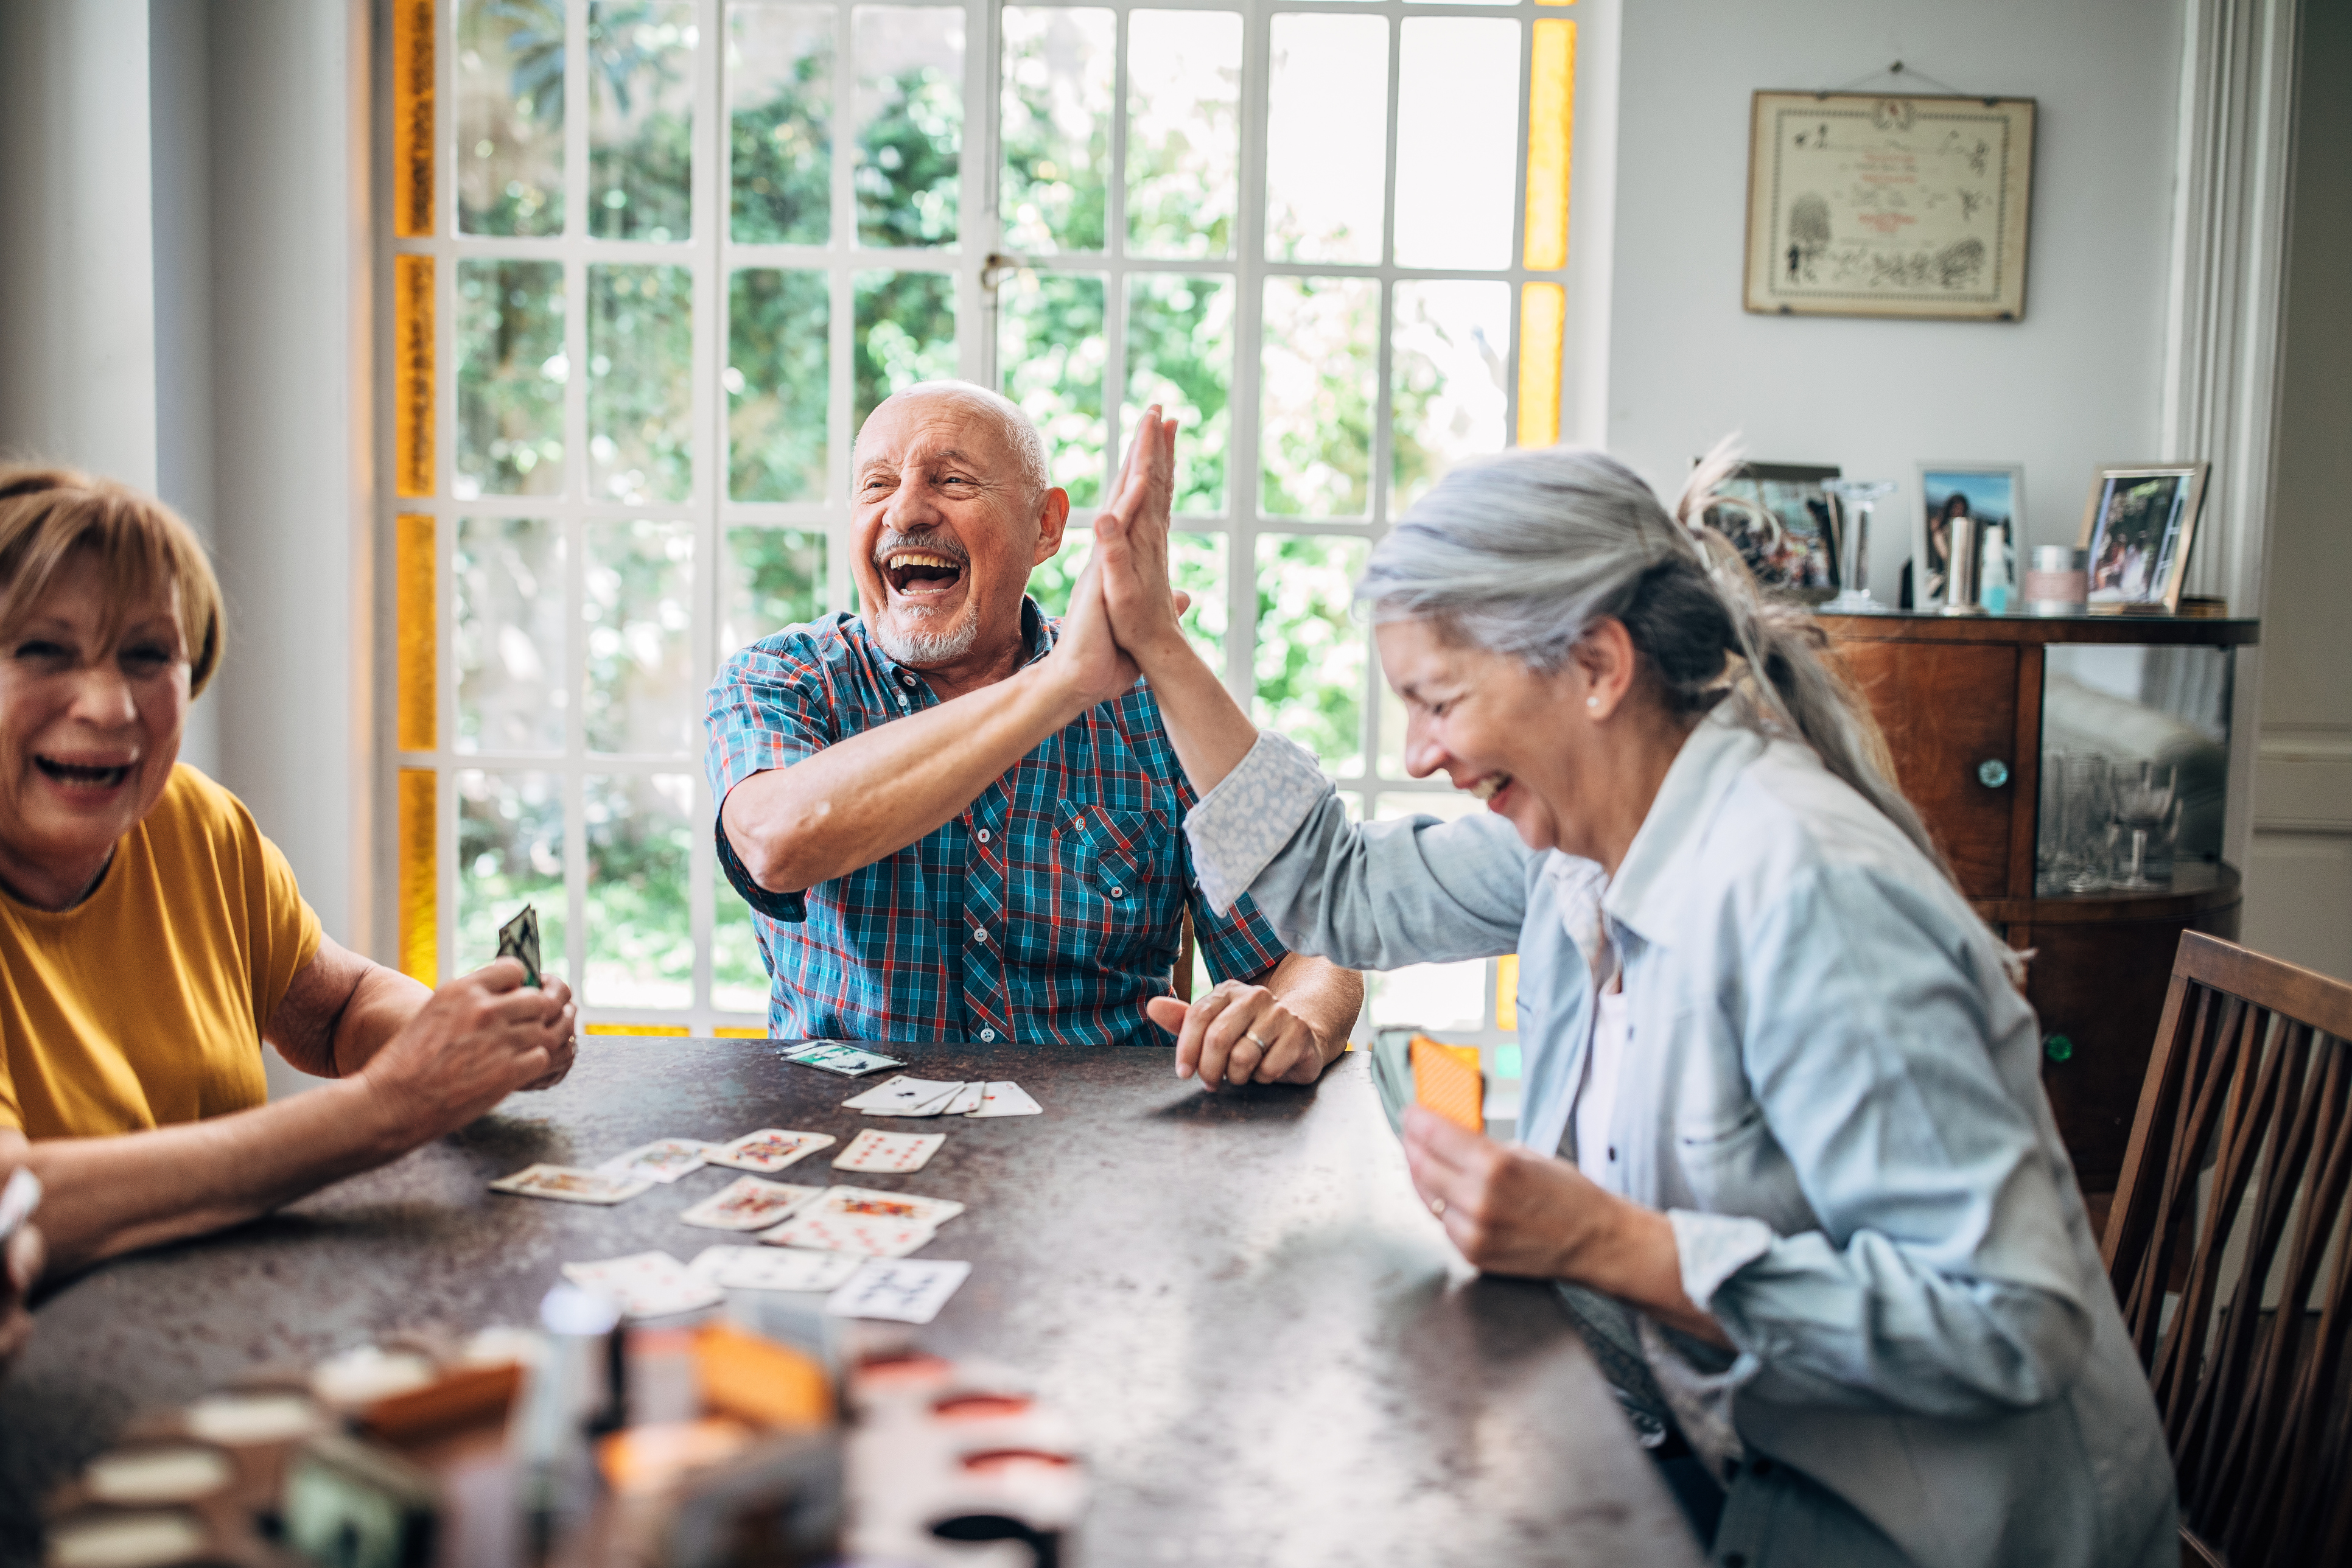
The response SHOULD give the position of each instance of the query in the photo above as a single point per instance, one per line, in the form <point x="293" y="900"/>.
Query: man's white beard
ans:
<point x="926" y="648"/>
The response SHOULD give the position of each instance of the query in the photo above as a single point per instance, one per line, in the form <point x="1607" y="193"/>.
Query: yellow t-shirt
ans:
<point x="144" y="1004"/>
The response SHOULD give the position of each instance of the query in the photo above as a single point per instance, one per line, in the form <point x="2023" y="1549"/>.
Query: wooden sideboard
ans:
<point x="1961" y="699"/>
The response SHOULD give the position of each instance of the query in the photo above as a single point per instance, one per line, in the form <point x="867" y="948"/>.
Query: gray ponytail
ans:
<point x="1519" y="554"/>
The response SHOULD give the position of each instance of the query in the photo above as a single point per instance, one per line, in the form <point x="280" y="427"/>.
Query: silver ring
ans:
<point x="1261" y="1045"/>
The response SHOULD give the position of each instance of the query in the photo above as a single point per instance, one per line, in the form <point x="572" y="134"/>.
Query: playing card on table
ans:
<point x="766" y="1269"/>
<point x="519" y="940"/>
<point x="572" y="1184"/>
<point x="903" y="1096"/>
<point x="865" y="1203"/>
<point x="909" y="1292"/>
<point x="748" y="1203"/>
<point x="894" y="1152"/>
<point x="769" y="1149"/>
<point x="1004" y="1099"/>
<point x="851" y="1233"/>
<point x="967" y="1100"/>
<point x="645" y="1284"/>
<point x="850" y="1061"/>
<point x="664" y="1160"/>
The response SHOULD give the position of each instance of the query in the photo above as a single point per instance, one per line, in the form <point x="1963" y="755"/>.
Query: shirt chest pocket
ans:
<point x="1106" y="853"/>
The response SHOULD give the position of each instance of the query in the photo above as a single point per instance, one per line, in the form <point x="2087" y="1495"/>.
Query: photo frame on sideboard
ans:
<point x="1779" y="519"/>
<point x="2137" y="530"/>
<point x="1992" y="493"/>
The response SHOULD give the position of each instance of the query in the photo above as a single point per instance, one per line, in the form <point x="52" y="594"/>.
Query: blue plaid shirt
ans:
<point x="1046" y="913"/>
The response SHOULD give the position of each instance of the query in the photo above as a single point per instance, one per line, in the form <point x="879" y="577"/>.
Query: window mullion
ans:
<point x="978" y="227"/>
<point x="1114" y="391"/>
<point x="1249" y="284"/>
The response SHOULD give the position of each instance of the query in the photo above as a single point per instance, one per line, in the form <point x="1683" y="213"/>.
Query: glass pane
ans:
<point x="640" y="382"/>
<point x="1184" y="131"/>
<point x="1551" y="126"/>
<point x="1457" y="141"/>
<point x="1543" y="318"/>
<point x="511" y="374"/>
<point x="1180" y="354"/>
<point x="1449" y="381"/>
<point x="1196" y="563"/>
<point x="780" y="123"/>
<point x="1434" y="995"/>
<point x="419" y="852"/>
<point x="1321" y="377"/>
<point x="510" y="854"/>
<point x="641" y="119"/>
<point x="511" y="116"/>
<point x="415" y="383"/>
<point x="904" y="333"/>
<point x="739" y="980"/>
<point x="508" y="575"/>
<point x="1310" y="649"/>
<point x="416" y="633"/>
<point x="909" y="110"/>
<point x="774" y="577"/>
<point x="640" y="935"/>
<point x="1059" y="68"/>
<point x="779" y="373"/>
<point x="1051" y="347"/>
<point x="1326" y="138"/>
<point x="643" y="694"/>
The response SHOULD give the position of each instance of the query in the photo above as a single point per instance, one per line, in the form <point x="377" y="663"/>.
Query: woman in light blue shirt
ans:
<point x="1833" y="1220"/>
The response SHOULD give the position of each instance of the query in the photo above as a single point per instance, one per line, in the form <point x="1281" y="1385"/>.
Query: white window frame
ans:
<point x="712" y="256"/>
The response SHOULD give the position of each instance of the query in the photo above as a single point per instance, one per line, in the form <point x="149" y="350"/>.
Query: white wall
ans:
<point x="2299" y="879"/>
<point x="2076" y="383"/>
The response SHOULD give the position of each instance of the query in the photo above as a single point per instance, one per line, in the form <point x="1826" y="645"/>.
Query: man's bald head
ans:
<point x="1023" y="443"/>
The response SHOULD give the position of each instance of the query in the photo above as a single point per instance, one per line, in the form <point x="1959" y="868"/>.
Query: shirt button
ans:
<point x="988" y="1035"/>
<point x="1117" y="892"/>
<point x="906" y="680"/>
<point x="984" y="836"/>
<point x="1613" y="1152"/>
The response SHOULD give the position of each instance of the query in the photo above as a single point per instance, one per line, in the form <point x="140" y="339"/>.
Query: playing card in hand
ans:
<point x="645" y="1284"/>
<point x="572" y="1184"/>
<point x="519" y="940"/>
<point x="768" y="1150"/>
<point x="851" y="1233"/>
<point x="748" y="1204"/>
<point x="897" y="1152"/>
<point x="768" y="1268"/>
<point x="664" y="1160"/>
<point x="910" y="1291"/>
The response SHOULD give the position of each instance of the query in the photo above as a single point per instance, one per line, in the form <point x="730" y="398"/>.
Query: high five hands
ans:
<point x="1123" y="614"/>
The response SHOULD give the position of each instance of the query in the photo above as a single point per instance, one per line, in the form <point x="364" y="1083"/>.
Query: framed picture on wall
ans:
<point x="1779" y="518"/>
<point x="1992" y="493"/>
<point x="2136" y="530"/>
<point x="1885" y="205"/>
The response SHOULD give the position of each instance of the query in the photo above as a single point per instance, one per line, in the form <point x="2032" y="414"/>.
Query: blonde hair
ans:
<point x="48" y="514"/>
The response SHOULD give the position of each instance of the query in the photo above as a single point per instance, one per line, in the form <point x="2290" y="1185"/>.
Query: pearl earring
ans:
<point x="1592" y="702"/>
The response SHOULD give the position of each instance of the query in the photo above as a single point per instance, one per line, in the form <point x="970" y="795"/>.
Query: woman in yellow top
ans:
<point x="151" y="938"/>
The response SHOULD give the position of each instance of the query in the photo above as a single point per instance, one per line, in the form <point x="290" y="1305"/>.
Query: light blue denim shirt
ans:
<point x="1833" y="1090"/>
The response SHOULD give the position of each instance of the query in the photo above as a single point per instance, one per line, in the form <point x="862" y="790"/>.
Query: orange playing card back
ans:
<point x="1447" y="1085"/>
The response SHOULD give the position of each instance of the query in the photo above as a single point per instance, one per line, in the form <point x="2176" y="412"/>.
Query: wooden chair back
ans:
<point x="2233" y="1195"/>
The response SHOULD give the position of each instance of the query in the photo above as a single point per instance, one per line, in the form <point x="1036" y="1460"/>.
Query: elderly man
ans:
<point x="947" y="828"/>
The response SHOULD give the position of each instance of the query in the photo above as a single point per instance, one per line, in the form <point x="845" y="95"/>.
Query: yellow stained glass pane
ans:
<point x="412" y="118"/>
<point x="732" y="1034"/>
<point x="412" y="310"/>
<point x="1506" y="992"/>
<point x="1551" y="113"/>
<point x="415" y="607"/>
<point x="635" y="1029"/>
<point x="1543" y="315"/>
<point x="420" y="875"/>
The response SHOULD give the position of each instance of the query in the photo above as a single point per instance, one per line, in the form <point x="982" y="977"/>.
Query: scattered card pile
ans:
<point x="850" y="1061"/>
<point x="904" y="1096"/>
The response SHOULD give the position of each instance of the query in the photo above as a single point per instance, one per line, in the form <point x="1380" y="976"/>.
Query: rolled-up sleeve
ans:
<point x="1377" y="896"/>
<point x="1942" y="1280"/>
<point x="770" y="707"/>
